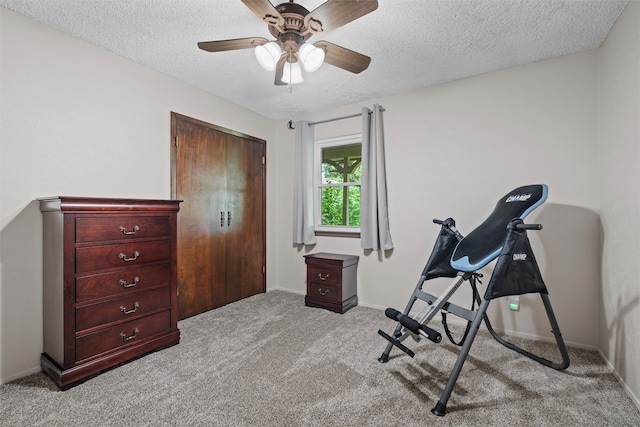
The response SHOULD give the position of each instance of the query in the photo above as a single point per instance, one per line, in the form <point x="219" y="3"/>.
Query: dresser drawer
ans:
<point x="120" y="335"/>
<point x="99" y="228"/>
<point x="92" y="315"/>
<point x="323" y="275"/>
<point x="121" y="255"/>
<point x="122" y="282"/>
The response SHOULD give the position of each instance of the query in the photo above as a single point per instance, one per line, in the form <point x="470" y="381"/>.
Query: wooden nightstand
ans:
<point x="331" y="281"/>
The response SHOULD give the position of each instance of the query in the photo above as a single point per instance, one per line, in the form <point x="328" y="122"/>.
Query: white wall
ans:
<point x="79" y="121"/>
<point x="454" y="150"/>
<point x="619" y="182"/>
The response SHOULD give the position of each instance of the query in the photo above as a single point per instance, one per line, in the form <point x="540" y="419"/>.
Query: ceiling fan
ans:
<point x="292" y="25"/>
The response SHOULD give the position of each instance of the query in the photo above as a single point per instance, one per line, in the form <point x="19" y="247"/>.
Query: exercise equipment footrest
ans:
<point x="395" y="342"/>
<point x="413" y="325"/>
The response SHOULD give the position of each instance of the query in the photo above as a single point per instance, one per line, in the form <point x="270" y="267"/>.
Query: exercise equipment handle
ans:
<point x="519" y="225"/>
<point x="449" y="222"/>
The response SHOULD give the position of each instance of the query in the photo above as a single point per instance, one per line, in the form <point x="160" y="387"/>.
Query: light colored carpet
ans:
<point x="270" y="361"/>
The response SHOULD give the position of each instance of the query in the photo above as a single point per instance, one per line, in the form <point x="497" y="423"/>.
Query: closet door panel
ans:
<point x="201" y="186"/>
<point x="246" y="235"/>
<point x="217" y="217"/>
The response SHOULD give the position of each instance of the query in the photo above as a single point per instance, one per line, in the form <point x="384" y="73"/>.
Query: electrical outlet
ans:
<point x="514" y="302"/>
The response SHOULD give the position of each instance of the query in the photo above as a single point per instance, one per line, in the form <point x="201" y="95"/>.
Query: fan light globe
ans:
<point x="292" y="74"/>
<point x="268" y="55"/>
<point x="311" y="57"/>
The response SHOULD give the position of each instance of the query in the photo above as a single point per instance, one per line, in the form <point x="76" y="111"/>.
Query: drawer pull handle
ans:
<point x="323" y="292"/>
<point x="133" y="231"/>
<point x="136" y="254"/>
<point x="323" y="278"/>
<point x="124" y="283"/>
<point x="124" y="310"/>
<point x="130" y="337"/>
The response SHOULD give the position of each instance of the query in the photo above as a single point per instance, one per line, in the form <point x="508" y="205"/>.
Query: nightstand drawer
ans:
<point x="122" y="255"/>
<point x="119" y="309"/>
<point x="122" y="282"/>
<point x="323" y="291"/>
<point x="97" y="228"/>
<point x="324" y="275"/>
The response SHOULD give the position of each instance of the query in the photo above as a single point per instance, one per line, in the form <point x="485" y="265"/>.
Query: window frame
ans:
<point x="333" y="230"/>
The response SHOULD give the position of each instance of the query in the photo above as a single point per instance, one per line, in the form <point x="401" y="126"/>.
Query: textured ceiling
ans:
<point x="412" y="43"/>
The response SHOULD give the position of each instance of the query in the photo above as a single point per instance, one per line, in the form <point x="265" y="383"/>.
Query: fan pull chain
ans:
<point x="291" y="125"/>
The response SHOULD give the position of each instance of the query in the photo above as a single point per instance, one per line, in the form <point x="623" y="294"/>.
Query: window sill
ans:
<point x="350" y="234"/>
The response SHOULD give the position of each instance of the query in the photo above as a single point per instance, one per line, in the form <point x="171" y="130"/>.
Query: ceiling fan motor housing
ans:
<point x="292" y="8"/>
<point x="293" y="15"/>
<point x="290" y="42"/>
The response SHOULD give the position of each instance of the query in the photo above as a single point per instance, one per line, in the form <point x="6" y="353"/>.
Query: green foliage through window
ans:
<point x="340" y="187"/>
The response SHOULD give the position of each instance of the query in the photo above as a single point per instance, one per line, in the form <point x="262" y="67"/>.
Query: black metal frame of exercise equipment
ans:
<point x="441" y="264"/>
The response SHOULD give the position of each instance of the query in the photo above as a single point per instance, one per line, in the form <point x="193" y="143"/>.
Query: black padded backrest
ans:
<point x="485" y="242"/>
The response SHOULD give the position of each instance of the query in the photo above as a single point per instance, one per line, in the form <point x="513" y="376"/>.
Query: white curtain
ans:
<point x="374" y="218"/>
<point x="303" y="226"/>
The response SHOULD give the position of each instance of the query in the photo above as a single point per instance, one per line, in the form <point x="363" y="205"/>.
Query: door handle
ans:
<point x="222" y="218"/>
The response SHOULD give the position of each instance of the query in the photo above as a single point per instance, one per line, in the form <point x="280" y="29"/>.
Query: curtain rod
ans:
<point x="339" y="118"/>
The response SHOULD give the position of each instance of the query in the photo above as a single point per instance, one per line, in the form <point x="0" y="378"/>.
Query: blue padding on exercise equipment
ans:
<point x="485" y="242"/>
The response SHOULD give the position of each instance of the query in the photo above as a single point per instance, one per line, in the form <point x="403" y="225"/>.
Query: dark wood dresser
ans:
<point x="109" y="283"/>
<point x="331" y="281"/>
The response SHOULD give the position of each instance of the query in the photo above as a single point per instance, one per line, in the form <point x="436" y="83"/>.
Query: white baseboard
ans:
<point x="626" y="388"/>
<point x="20" y="375"/>
<point x="291" y="291"/>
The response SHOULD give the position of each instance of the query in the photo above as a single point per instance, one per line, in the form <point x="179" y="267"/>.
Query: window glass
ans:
<point x="338" y="171"/>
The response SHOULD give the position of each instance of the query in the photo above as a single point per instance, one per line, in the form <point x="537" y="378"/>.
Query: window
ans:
<point x="338" y="165"/>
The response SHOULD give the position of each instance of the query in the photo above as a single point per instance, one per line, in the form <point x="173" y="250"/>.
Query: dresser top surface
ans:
<point x="102" y="204"/>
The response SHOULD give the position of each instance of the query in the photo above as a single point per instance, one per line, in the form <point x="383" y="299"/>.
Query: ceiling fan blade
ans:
<point x="336" y="13"/>
<point x="233" y="44"/>
<point x="280" y="71"/>
<point x="264" y="10"/>
<point x="343" y="58"/>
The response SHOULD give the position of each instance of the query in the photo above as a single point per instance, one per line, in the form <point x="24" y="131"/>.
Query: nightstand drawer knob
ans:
<point x="124" y="283"/>
<point x="133" y="231"/>
<point x="136" y="254"/>
<point x="321" y="292"/>
<point x="130" y="337"/>
<point x="124" y="310"/>
<point x="323" y="278"/>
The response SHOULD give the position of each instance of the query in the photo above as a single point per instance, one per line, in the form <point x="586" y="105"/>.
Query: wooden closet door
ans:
<point x="220" y="176"/>
<point x="245" y="192"/>
<point x="201" y="184"/>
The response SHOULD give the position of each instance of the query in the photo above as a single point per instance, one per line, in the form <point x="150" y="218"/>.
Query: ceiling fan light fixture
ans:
<point x="268" y="55"/>
<point x="291" y="25"/>
<point x="292" y="74"/>
<point x="312" y="57"/>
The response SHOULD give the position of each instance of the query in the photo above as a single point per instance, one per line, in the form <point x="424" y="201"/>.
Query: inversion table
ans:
<point x="502" y="235"/>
